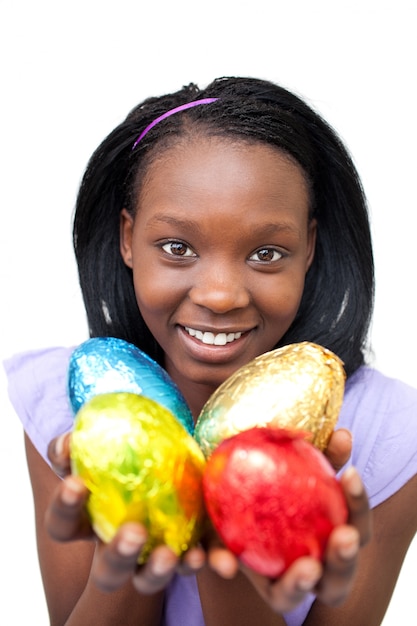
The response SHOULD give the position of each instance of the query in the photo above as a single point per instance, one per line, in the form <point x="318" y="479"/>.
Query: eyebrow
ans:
<point x="162" y="218"/>
<point x="276" y="227"/>
<point x="261" y="229"/>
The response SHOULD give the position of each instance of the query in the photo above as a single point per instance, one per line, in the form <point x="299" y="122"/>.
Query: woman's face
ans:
<point x="219" y="249"/>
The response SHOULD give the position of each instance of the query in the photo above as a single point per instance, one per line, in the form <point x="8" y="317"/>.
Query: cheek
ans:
<point x="155" y="292"/>
<point x="280" y="299"/>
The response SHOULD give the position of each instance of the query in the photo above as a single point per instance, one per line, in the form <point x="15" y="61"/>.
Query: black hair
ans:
<point x="337" y="302"/>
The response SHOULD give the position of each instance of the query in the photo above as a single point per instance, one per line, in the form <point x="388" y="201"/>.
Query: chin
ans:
<point x="214" y="376"/>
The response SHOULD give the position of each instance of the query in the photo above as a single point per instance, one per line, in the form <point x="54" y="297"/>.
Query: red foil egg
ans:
<point x="272" y="497"/>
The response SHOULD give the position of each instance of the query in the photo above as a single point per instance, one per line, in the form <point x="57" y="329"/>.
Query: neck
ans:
<point x="196" y="396"/>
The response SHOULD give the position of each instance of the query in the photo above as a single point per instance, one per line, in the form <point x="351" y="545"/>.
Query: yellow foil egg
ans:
<point x="298" y="386"/>
<point x="140" y="464"/>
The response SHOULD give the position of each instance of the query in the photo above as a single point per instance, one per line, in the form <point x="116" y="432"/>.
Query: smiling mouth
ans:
<point x="211" y="339"/>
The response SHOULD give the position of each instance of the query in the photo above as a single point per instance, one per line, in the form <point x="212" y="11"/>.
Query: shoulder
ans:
<point x="372" y="386"/>
<point x="381" y="413"/>
<point x="37" y="387"/>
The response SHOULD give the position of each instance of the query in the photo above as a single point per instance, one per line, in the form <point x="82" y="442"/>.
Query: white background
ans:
<point x="71" y="71"/>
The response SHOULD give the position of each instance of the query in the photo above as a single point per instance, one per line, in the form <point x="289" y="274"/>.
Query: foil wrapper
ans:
<point x="108" y="365"/>
<point x="299" y="386"/>
<point x="139" y="464"/>
<point x="272" y="497"/>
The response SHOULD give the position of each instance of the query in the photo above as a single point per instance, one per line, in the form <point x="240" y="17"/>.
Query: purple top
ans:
<point x="380" y="412"/>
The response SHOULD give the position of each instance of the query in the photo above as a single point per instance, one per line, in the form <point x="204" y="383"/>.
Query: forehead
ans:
<point x="213" y="166"/>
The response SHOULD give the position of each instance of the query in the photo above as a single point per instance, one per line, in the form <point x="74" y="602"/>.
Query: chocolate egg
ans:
<point x="108" y="364"/>
<point x="272" y="498"/>
<point x="139" y="464"/>
<point x="298" y="386"/>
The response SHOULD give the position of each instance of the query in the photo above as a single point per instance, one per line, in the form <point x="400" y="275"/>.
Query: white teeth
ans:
<point x="221" y="339"/>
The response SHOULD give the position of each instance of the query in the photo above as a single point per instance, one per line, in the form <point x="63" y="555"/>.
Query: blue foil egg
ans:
<point x="108" y="364"/>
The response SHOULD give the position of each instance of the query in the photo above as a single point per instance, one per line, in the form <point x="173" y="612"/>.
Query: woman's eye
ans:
<point x="266" y="255"/>
<point x="177" y="248"/>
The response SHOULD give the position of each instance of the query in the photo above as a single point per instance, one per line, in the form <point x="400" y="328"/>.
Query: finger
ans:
<point x="192" y="561"/>
<point x="66" y="518"/>
<point x="115" y="563"/>
<point x="344" y="543"/>
<point x="59" y="454"/>
<point x="340" y="566"/>
<point x="288" y="591"/>
<point x="220" y="559"/>
<point x="157" y="572"/>
<point x="360" y="515"/>
<point x="339" y="448"/>
<point x="223" y="562"/>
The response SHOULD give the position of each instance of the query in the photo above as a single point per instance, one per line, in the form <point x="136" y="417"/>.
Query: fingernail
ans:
<point x="307" y="584"/>
<point x="161" y="567"/>
<point x="350" y="548"/>
<point x="71" y="492"/>
<point x="196" y="561"/>
<point x="59" y="445"/>
<point x="355" y="483"/>
<point x="309" y="580"/>
<point x="348" y="552"/>
<point x="130" y="543"/>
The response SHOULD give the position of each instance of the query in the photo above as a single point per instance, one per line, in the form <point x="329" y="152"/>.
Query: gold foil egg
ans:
<point x="299" y="386"/>
<point x="139" y="464"/>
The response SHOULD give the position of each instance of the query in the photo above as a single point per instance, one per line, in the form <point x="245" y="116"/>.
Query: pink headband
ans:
<point x="183" y="107"/>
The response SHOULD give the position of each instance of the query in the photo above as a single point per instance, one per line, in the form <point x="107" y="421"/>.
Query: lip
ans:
<point x="216" y="331"/>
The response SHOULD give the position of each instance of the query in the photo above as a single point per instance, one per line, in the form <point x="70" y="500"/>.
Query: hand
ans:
<point x="114" y="563"/>
<point x="332" y="580"/>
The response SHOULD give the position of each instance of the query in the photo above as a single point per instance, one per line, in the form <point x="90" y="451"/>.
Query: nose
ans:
<point x="220" y="287"/>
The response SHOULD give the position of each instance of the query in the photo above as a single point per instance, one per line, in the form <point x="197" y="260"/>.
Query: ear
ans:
<point x="311" y="242"/>
<point x="126" y="236"/>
